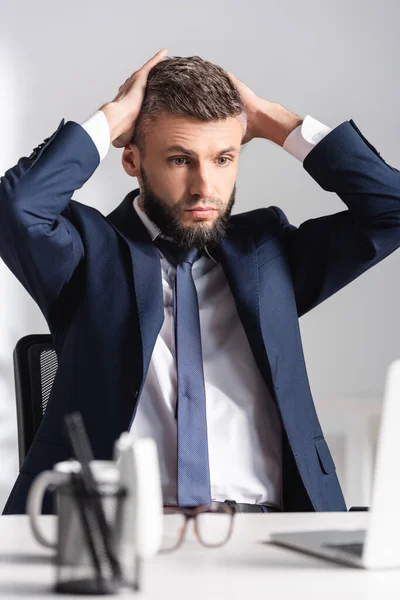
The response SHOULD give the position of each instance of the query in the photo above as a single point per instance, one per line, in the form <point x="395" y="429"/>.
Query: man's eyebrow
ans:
<point x="184" y="150"/>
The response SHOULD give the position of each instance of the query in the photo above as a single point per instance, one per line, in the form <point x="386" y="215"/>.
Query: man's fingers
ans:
<point x="154" y="60"/>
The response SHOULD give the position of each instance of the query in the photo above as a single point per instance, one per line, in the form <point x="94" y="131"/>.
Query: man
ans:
<point x="170" y="317"/>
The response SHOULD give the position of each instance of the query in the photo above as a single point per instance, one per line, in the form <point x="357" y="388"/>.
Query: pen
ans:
<point x="83" y="452"/>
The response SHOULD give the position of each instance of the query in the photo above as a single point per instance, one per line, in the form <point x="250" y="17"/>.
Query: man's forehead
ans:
<point x="186" y="135"/>
<point x="173" y="130"/>
<point x="171" y="120"/>
<point x="184" y="150"/>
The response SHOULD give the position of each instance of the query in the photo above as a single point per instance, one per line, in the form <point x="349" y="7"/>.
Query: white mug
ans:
<point x="105" y="473"/>
<point x="139" y="469"/>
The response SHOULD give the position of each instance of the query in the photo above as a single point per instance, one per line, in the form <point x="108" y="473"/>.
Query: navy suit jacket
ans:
<point x="97" y="282"/>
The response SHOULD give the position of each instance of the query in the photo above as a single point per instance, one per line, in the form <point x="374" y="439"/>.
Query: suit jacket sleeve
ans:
<point x="328" y="252"/>
<point x="41" y="246"/>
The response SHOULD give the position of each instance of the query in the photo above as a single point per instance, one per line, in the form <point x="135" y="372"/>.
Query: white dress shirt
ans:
<point x="243" y="426"/>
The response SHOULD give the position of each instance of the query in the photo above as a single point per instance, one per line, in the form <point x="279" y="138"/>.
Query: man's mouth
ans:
<point x="202" y="211"/>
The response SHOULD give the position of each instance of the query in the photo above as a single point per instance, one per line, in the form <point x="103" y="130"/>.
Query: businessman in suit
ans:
<point x="174" y="319"/>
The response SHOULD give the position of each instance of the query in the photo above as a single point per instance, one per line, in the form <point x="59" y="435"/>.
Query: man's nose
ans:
<point x="201" y="184"/>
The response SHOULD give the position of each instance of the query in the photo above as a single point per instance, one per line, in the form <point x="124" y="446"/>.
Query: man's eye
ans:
<point x="172" y="160"/>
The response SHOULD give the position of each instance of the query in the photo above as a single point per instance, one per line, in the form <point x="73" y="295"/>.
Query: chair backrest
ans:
<point x="35" y="366"/>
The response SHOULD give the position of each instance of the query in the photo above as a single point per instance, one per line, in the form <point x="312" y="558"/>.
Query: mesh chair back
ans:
<point x="35" y="366"/>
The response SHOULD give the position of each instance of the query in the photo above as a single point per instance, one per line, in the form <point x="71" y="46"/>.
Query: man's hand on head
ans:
<point x="124" y="109"/>
<point x="265" y="119"/>
<point x="252" y="104"/>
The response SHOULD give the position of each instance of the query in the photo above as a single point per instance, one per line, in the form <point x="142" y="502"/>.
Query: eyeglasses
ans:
<point x="213" y="526"/>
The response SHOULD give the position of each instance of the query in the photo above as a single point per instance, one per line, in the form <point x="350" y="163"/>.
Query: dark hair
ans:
<point x="187" y="86"/>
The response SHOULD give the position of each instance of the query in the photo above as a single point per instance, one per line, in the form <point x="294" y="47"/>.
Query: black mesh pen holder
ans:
<point x="88" y="555"/>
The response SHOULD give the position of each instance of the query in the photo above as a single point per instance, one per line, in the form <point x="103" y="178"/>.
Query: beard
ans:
<point x="200" y="234"/>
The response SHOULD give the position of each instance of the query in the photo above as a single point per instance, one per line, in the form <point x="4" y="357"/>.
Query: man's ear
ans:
<point x="131" y="160"/>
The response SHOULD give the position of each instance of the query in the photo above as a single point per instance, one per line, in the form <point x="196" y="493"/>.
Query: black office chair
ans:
<point x="35" y="366"/>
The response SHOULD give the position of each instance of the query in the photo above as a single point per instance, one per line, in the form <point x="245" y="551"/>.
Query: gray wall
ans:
<point x="334" y="61"/>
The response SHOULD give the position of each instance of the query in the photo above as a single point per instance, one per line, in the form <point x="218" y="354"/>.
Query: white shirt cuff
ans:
<point x="98" y="129"/>
<point x="303" y="139"/>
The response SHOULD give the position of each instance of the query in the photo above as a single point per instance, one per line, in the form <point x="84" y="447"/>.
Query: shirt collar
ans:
<point x="151" y="227"/>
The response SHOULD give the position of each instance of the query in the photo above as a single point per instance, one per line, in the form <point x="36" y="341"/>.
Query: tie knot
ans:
<point x="175" y="254"/>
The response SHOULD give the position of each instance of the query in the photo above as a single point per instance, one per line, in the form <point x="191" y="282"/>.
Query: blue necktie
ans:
<point x="193" y="476"/>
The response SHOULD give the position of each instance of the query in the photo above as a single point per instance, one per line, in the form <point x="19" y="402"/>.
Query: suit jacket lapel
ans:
<point x="146" y="274"/>
<point x="238" y="257"/>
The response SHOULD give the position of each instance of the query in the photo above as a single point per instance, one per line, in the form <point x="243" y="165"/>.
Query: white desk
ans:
<point x="246" y="568"/>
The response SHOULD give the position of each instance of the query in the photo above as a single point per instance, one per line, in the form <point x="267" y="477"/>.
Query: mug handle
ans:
<point x="35" y="500"/>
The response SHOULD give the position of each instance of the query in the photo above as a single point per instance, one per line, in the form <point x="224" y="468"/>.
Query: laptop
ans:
<point x="378" y="546"/>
